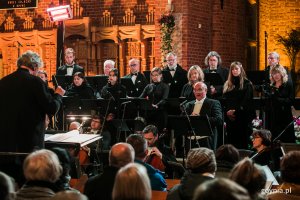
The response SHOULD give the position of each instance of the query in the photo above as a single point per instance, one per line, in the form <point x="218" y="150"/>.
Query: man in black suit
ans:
<point x="213" y="62"/>
<point x="204" y="106"/>
<point x="138" y="79"/>
<point x="70" y="67"/>
<point x="25" y="101"/>
<point x="178" y="76"/>
<point x="101" y="186"/>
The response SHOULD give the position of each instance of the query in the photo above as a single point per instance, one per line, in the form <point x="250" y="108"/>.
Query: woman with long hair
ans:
<point x="238" y="95"/>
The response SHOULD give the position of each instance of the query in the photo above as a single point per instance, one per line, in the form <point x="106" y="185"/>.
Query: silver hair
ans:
<point x="275" y="54"/>
<point x="30" y="59"/>
<point x="109" y="62"/>
<point x="210" y="54"/>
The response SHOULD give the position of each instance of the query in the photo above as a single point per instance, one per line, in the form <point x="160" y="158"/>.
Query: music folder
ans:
<point x="73" y="137"/>
<point x="214" y="79"/>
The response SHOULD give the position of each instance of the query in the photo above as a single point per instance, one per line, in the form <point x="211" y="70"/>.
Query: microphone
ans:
<point x="184" y="102"/>
<point x="126" y="102"/>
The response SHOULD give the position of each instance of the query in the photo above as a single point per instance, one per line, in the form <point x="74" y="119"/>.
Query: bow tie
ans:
<point x="134" y="74"/>
<point x="69" y="66"/>
<point x="213" y="70"/>
<point x="172" y="70"/>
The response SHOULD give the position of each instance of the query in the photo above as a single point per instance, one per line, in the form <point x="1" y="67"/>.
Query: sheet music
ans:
<point x="73" y="137"/>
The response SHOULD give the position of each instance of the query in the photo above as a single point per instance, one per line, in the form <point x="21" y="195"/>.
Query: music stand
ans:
<point x="120" y="126"/>
<point x="214" y="79"/>
<point x="199" y="125"/>
<point x="62" y="80"/>
<point x="97" y="82"/>
<point x="173" y="105"/>
<point x="147" y="74"/>
<point x="256" y="77"/>
<point x="167" y="77"/>
<point x="127" y="82"/>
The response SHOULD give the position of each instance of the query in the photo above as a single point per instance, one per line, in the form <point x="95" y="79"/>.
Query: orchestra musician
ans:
<point x="282" y="98"/>
<point x="157" y="93"/>
<point x="80" y="87"/>
<point x="238" y="96"/>
<point x="194" y="75"/>
<point x="158" y="153"/>
<point x="203" y="106"/>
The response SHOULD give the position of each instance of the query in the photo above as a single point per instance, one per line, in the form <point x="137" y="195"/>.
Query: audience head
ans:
<point x="261" y="138"/>
<point x="42" y="165"/>
<point x="139" y="144"/>
<point x="195" y="74"/>
<point x="134" y="65"/>
<point x="213" y="60"/>
<point x="7" y="187"/>
<point x="201" y="160"/>
<point x="273" y="59"/>
<point x="220" y="189"/>
<point x="113" y="76"/>
<point x="132" y="182"/>
<point x="290" y="167"/>
<point x="171" y="59"/>
<point x="156" y="74"/>
<point x="69" y="195"/>
<point x="249" y="175"/>
<point x="150" y="133"/>
<point x="79" y="79"/>
<point x="69" y="56"/>
<point x="229" y="153"/>
<point x="107" y="66"/>
<point x="200" y="90"/>
<point x="30" y="60"/>
<point x="121" y="154"/>
<point x="278" y="73"/>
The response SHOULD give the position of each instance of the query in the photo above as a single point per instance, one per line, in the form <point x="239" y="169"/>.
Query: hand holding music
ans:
<point x="59" y="90"/>
<point x="231" y="115"/>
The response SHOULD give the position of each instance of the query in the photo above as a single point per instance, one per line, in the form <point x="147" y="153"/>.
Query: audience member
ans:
<point x="101" y="186"/>
<point x="290" y="175"/>
<point x="69" y="195"/>
<point x="132" y="176"/>
<point x="7" y="187"/>
<point x="41" y="170"/>
<point x="227" y="156"/>
<point x="249" y="175"/>
<point x="201" y="165"/>
<point x="140" y="146"/>
<point x="221" y="189"/>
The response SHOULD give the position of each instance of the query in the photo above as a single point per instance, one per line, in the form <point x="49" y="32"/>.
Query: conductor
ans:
<point x="25" y="101"/>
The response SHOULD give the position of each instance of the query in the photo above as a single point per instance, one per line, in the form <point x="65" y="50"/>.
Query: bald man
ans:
<point x="101" y="186"/>
<point x="204" y="106"/>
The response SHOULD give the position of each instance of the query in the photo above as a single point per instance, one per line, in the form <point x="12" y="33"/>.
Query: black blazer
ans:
<point x="178" y="81"/>
<point x="211" y="108"/>
<point x="25" y="101"/>
<point x="140" y="84"/>
<point x="62" y="70"/>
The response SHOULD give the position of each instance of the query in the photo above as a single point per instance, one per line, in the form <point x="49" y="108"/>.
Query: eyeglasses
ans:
<point x="170" y="60"/>
<point x="132" y="65"/>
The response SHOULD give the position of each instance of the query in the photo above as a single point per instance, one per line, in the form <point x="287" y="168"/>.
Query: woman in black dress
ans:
<point x="80" y="87"/>
<point x="195" y="74"/>
<point x="238" y="95"/>
<point x="157" y="93"/>
<point x="282" y="98"/>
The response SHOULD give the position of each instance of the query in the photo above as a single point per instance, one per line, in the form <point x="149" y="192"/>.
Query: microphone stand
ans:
<point x="190" y="123"/>
<point x="121" y="125"/>
<point x="281" y="133"/>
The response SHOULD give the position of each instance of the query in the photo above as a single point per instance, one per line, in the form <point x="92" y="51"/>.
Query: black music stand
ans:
<point x="97" y="82"/>
<point x="167" y="77"/>
<point x="199" y="125"/>
<point x="63" y="81"/>
<point x="256" y="77"/>
<point x="214" y="79"/>
<point x="121" y="126"/>
<point x="147" y="74"/>
<point x="173" y="105"/>
<point x="127" y="82"/>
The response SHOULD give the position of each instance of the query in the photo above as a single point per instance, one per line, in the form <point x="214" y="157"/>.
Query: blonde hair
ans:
<point x="69" y="51"/>
<point x="228" y="86"/>
<point x="281" y="70"/>
<point x="199" y="71"/>
<point x="42" y="165"/>
<point x="132" y="182"/>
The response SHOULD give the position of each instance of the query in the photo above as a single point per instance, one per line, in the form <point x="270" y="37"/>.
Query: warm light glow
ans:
<point x="60" y="13"/>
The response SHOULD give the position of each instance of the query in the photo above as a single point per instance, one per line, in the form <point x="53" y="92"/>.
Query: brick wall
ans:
<point x="277" y="17"/>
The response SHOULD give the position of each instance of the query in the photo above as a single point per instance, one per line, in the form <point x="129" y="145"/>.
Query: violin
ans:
<point x="153" y="159"/>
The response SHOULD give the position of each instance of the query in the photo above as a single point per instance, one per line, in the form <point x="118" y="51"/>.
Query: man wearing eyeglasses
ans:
<point x="178" y="76"/>
<point x="138" y="79"/>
